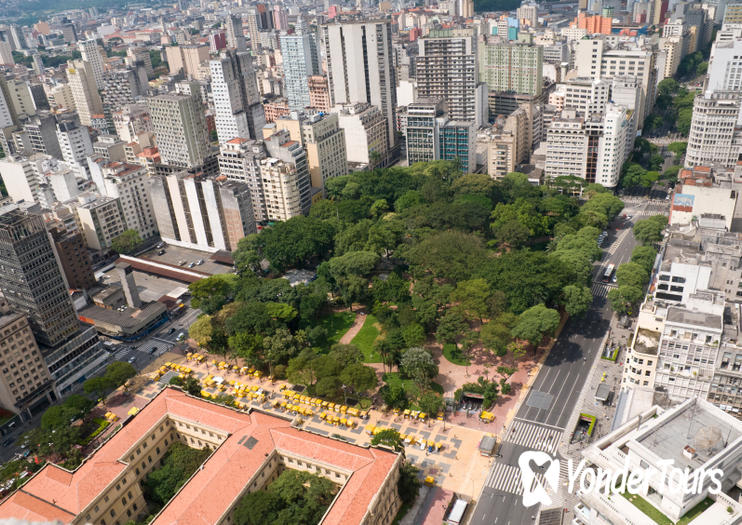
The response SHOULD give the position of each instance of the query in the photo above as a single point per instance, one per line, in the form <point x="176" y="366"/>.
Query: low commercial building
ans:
<point x="249" y="450"/>
<point x="694" y="437"/>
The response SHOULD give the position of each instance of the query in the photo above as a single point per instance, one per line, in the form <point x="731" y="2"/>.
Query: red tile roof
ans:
<point x="56" y="494"/>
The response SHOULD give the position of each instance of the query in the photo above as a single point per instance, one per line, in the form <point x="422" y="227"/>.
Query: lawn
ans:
<point x="336" y="324"/>
<point x="101" y="423"/>
<point x="657" y="516"/>
<point x="395" y="378"/>
<point x="365" y="339"/>
<point x="453" y="353"/>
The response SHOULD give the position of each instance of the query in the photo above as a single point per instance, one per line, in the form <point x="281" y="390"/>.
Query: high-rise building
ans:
<point x="100" y="219"/>
<point x="121" y="87"/>
<point x="280" y="19"/>
<point x="74" y="141"/>
<point x="239" y="160"/>
<point x="725" y="66"/>
<point x="30" y="278"/>
<point x="235" y="35"/>
<point x="73" y="257"/>
<point x="180" y="126"/>
<point x="360" y="67"/>
<point x="715" y="137"/>
<point x="298" y="66"/>
<point x="365" y="134"/>
<point x="84" y="91"/>
<point x="42" y="134"/>
<point x="323" y="141"/>
<point x="128" y="184"/>
<point x="527" y="15"/>
<point x="446" y="68"/>
<point x="237" y="108"/>
<point x="511" y="67"/>
<point x="733" y="14"/>
<point x="201" y="212"/>
<point x="421" y="131"/>
<point x="25" y="382"/>
<point x="456" y="141"/>
<point x="132" y="122"/>
<point x="91" y="54"/>
<point x="319" y="94"/>
<point x="140" y="54"/>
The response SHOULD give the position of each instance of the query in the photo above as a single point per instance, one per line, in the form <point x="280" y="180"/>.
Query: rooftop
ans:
<point x="696" y="426"/>
<point x="57" y="494"/>
<point x="684" y="316"/>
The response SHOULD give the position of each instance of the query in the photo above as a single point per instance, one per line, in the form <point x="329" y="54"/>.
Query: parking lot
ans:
<point x="186" y="257"/>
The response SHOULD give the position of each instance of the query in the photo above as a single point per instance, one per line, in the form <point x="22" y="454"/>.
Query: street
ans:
<point x="541" y="421"/>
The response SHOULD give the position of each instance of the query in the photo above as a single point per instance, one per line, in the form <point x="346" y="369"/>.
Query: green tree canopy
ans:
<point x="418" y="364"/>
<point x="536" y="323"/>
<point x="211" y="293"/>
<point x="126" y="242"/>
<point x="649" y="230"/>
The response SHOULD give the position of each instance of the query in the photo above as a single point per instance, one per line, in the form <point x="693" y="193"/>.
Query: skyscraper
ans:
<point x="235" y="36"/>
<point x="360" y="67"/>
<point x="446" y="69"/>
<point x="91" y="54"/>
<point x="30" y="278"/>
<point x="237" y="108"/>
<point x="298" y="66"/>
<point x="84" y="91"/>
<point x="180" y="126"/>
<point x="509" y="66"/>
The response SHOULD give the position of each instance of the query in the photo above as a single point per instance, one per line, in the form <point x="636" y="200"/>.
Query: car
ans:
<point x="181" y="336"/>
<point x="614" y="279"/>
<point x="199" y="262"/>
<point x="171" y="331"/>
<point x="161" y="252"/>
<point x="182" y="263"/>
<point x="8" y="442"/>
<point x="191" y="264"/>
<point x="153" y="350"/>
<point x="160" y="244"/>
<point x="132" y="359"/>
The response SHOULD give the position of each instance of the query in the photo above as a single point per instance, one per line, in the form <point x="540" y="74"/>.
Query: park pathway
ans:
<point x="353" y="330"/>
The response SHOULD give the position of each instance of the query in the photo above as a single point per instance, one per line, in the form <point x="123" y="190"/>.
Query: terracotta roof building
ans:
<point x="249" y="450"/>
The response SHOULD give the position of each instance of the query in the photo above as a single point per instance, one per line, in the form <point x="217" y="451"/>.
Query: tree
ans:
<point x="535" y="323"/>
<point x="632" y="274"/>
<point x="178" y="464"/>
<point x="678" y="148"/>
<point x="189" y="384"/>
<point x="624" y="298"/>
<point x="408" y="485"/>
<point x="126" y="242"/>
<point x="449" y="255"/>
<point x="644" y="256"/>
<point x="472" y="296"/>
<point x="202" y="331"/>
<point x="431" y="403"/>
<point x="283" y="345"/>
<point x="212" y="293"/>
<point x="577" y="299"/>
<point x="496" y="334"/>
<point x="97" y="385"/>
<point x="389" y="438"/>
<point x="349" y="272"/>
<point x="418" y="364"/>
<point x="394" y="396"/>
<point x="649" y="230"/>
<point x="413" y="334"/>
<point x="359" y="377"/>
<point x="451" y="325"/>
<point x="119" y="371"/>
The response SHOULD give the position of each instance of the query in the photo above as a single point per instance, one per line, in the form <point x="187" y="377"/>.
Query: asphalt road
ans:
<point x="541" y="420"/>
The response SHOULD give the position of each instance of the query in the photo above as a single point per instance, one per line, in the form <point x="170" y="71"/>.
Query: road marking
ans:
<point x="537" y="423"/>
<point x="533" y="436"/>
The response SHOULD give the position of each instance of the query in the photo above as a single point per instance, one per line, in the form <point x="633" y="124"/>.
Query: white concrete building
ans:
<point x="74" y="141"/>
<point x="714" y="138"/>
<point x="365" y="134"/>
<point x="84" y="91"/>
<point x="237" y="108"/>
<point x="92" y="55"/>
<point x="180" y="127"/>
<point x="360" y="67"/>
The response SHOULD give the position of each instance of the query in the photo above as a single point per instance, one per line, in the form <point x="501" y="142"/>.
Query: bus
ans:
<point x="608" y="273"/>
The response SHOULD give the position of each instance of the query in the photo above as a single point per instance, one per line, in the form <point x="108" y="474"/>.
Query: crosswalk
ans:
<point x="601" y="289"/>
<point x="532" y="436"/>
<point x="506" y="478"/>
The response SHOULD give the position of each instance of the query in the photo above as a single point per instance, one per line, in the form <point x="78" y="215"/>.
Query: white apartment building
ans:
<point x="92" y="55"/>
<point x="714" y="137"/>
<point x="132" y="121"/>
<point x="566" y="147"/>
<point x="365" y="134"/>
<point x="74" y="141"/>
<point x="200" y="212"/>
<point x="725" y="66"/>
<point x="281" y="189"/>
<point x="128" y="184"/>
<point x="238" y="112"/>
<point x="360" y="67"/>
<point x="612" y="151"/>
<point x="84" y="91"/>
<point x="298" y="66"/>
<point x="100" y="219"/>
<point x="239" y="160"/>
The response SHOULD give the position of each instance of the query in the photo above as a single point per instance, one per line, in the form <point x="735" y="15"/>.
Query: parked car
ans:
<point x="161" y="252"/>
<point x="8" y="442"/>
<point x="171" y="331"/>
